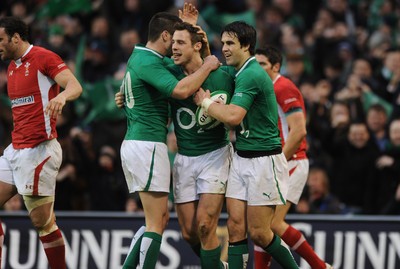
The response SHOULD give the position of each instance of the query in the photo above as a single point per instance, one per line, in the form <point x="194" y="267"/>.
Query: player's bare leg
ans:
<point x="208" y="211"/>
<point x="43" y="219"/>
<point x="155" y="205"/>
<point x="6" y="192"/>
<point x="259" y="220"/>
<point x="238" y="252"/>
<point x="187" y="221"/>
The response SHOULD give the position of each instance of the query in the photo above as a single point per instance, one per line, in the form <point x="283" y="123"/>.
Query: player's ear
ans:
<point x="15" y="38"/>
<point x="198" y="46"/>
<point x="276" y="67"/>
<point x="164" y="35"/>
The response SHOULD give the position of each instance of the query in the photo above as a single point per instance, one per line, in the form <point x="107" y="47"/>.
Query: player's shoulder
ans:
<point x="40" y="51"/>
<point x="286" y="83"/>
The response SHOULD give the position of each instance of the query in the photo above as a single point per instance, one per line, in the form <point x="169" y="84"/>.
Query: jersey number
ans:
<point x="126" y="88"/>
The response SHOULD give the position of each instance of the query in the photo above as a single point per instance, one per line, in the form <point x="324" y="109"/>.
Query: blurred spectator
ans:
<point x="133" y="204"/>
<point x="107" y="187"/>
<point x="386" y="184"/>
<point x="56" y="42"/>
<point x="377" y="121"/>
<point x="353" y="166"/>
<point x="318" y="199"/>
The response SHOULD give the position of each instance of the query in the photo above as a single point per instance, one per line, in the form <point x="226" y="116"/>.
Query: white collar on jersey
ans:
<point x="277" y="77"/>
<point x="150" y="50"/>
<point x="245" y="64"/>
<point x="18" y="62"/>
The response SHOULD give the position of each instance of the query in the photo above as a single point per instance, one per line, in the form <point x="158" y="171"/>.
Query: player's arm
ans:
<point x="230" y="114"/>
<point x="190" y="84"/>
<point x="72" y="90"/>
<point x="297" y="132"/>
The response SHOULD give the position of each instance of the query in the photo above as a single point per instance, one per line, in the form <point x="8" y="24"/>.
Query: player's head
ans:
<point x="238" y="42"/>
<point x="13" y="32"/>
<point x="270" y="59"/>
<point x="161" y="27"/>
<point x="186" y="43"/>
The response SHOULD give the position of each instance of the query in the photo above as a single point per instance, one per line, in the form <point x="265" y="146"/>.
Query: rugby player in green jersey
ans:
<point x="259" y="175"/>
<point x="202" y="163"/>
<point x="147" y="85"/>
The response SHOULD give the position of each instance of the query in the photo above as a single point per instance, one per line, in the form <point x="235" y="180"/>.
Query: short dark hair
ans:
<point x="273" y="54"/>
<point x="245" y="33"/>
<point x="160" y="22"/>
<point x="14" y="25"/>
<point x="194" y="36"/>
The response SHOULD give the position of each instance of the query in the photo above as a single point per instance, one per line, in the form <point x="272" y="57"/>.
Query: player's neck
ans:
<point x="22" y="50"/>
<point x="192" y="66"/>
<point x="156" y="46"/>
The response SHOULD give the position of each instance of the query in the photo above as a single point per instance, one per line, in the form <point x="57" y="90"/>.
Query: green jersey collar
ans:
<point x="140" y="47"/>
<point x="244" y="65"/>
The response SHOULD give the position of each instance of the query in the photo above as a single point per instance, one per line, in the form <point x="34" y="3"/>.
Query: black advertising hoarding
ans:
<point x="101" y="241"/>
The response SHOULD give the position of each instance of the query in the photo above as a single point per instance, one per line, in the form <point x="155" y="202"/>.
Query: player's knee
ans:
<point x="204" y="228"/>
<point x="260" y="236"/>
<point x="235" y="228"/>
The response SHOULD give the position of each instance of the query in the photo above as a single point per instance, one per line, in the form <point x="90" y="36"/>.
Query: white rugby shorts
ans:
<point x="146" y="166"/>
<point x="259" y="181"/>
<point x="207" y="173"/>
<point x="298" y="174"/>
<point x="32" y="170"/>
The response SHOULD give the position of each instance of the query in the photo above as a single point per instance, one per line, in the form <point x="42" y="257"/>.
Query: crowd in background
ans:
<point x="344" y="56"/>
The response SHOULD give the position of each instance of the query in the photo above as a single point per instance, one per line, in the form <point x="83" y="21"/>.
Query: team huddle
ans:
<point x="259" y="180"/>
<point x="175" y="76"/>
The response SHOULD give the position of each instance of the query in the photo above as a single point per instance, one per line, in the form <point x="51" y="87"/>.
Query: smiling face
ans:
<point x="235" y="54"/>
<point x="182" y="47"/>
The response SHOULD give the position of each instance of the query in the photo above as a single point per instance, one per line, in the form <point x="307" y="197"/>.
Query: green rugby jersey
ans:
<point x="254" y="92"/>
<point x="193" y="140"/>
<point x="147" y="85"/>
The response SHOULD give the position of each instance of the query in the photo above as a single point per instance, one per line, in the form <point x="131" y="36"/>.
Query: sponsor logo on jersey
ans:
<point x="22" y="101"/>
<point x="239" y="94"/>
<point x="11" y="73"/>
<point x="290" y="100"/>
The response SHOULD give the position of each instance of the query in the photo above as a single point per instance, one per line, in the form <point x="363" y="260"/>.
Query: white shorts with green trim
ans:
<point x="146" y="166"/>
<point x="207" y="173"/>
<point x="259" y="181"/>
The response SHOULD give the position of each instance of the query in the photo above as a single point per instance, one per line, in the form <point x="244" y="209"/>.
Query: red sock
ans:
<point x="55" y="251"/>
<point x="262" y="260"/>
<point x="298" y="243"/>
<point x="1" y="241"/>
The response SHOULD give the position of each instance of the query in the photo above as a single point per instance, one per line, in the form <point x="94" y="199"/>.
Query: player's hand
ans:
<point x="212" y="62"/>
<point x="206" y="51"/>
<point x="55" y="106"/>
<point x="119" y="99"/>
<point x="200" y="95"/>
<point x="189" y="14"/>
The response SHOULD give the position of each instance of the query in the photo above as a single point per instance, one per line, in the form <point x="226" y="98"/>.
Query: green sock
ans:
<point x="132" y="260"/>
<point x="196" y="249"/>
<point x="238" y="255"/>
<point x="149" y="250"/>
<point x="281" y="254"/>
<point x="211" y="258"/>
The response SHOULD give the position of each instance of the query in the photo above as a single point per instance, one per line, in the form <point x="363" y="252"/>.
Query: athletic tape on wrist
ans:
<point x="206" y="103"/>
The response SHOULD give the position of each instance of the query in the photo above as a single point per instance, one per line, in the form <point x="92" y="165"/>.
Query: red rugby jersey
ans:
<point x="289" y="99"/>
<point x="30" y="87"/>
